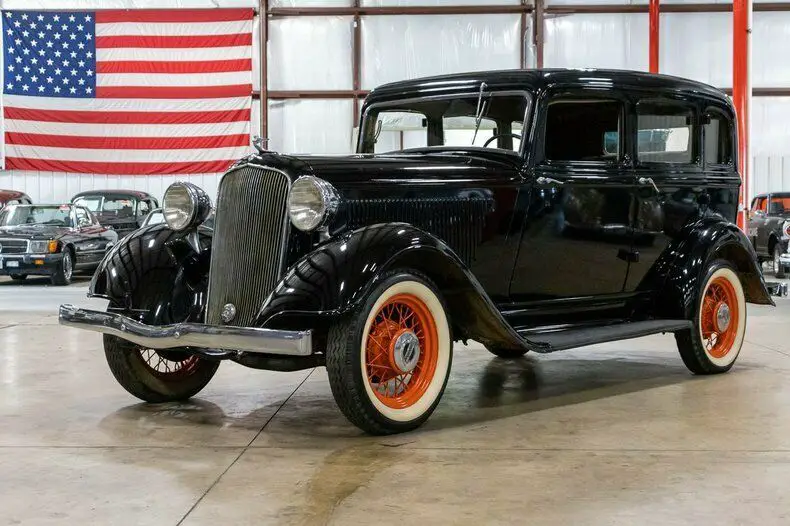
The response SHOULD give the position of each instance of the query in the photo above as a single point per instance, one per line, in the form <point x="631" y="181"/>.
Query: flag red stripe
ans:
<point x="91" y="167"/>
<point x="172" y="15"/>
<point x="201" y="66"/>
<point x="174" y="92"/>
<point x="127" y="143"/>
<point x="184" y="41"/>
<point x="126" y="117"/>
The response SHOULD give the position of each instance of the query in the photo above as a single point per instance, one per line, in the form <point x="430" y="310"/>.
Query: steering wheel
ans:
<point x="498" y="135"/>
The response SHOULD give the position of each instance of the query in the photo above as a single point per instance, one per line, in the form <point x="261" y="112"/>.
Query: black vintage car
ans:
<point x="769" y="228"/>
<point x="526" y="216"/>
<point x="51" y="240"/>
<point x="123" y="210"/>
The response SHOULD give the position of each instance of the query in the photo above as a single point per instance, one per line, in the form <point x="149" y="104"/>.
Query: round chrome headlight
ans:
<point x="185" y="205"/>
<point x="312" y="203"/>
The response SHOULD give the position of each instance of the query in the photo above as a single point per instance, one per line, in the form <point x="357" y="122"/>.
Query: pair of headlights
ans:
<point x="311" y="204"/>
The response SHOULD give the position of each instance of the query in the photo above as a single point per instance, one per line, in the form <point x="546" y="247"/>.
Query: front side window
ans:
<point x="583" y="130"/>
<point x="664" y="132"/>
<point x="759" y="204"/>
<point x="36" y="215"/>
<point x="492" y="121"/>
<point x="144" y="208"/>
<point x="82" y="217"/>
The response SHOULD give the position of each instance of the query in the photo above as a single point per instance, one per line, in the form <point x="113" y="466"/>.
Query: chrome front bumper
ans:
<point x="244" y="339"/>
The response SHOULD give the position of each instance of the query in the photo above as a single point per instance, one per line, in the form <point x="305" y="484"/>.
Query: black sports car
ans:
<point x="51" y="240"/>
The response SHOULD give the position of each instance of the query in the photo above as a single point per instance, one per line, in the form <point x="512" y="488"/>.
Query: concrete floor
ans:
<point x="612" y="434"/>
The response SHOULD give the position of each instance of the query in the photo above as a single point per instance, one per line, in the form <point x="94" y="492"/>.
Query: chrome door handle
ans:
<point x="649" y="180"/>
<point x="547" y="180"/>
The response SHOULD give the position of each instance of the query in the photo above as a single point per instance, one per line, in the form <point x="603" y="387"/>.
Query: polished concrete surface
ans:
<point x="611" y="434"/>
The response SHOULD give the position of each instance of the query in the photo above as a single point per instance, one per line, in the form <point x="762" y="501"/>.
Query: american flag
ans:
<point x="127" y="91"/>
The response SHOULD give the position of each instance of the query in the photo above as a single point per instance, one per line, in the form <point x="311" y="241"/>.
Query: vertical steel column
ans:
<point x="741" y="95"/>
<point x="263" y="14"/>
<point x="356" y="58"/>
<point x="655" y="19"/>
<point x="523" y="40"/>
<point x="538" y="30"/>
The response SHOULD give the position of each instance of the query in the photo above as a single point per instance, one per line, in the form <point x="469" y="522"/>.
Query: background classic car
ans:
<point x="769" y="228"/>
<point x="123" y="210"/>
<point x="12" y="197"/>
<point x="510" y="222"/>
<point x="51" y="240"/>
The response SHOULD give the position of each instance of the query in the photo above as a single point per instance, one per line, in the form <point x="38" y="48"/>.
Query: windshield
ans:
<point x="118" y="206"/>
<point x="154" y="218"/>
<point x="91" y="203"/>
<point x="497" y="122"/>
<point x="36" y="215"/>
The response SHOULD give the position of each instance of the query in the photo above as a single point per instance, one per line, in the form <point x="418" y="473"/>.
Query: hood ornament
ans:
<point x="261" y="143"/>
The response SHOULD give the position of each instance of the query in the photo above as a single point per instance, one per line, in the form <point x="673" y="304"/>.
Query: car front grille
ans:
<point x="13" y="246"/>
<point x="248" y="250"/>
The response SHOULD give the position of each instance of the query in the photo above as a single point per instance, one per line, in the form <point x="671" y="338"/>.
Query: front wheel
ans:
<point x="779" y="270"/>
<point x="157" y="376"/>
<point x="389" y="361"/>
<point x="715" y="341"/>
<point x="19" y="277"/>
<point x="64" y="269"/>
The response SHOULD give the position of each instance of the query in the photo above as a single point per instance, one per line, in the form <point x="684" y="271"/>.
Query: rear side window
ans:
<point x="664" y="132"/>
<point x="759" y="204"/>
<point x="718" y="139"/>
<point x="583" y="130"/>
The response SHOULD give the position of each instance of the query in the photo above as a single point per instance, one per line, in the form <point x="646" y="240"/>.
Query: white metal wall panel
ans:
<point x="618" y="41"/>
<point x="310" y="53"/>
<point x="408" y="46"/>
<point x="310" y="125"/>
<point x="697" y="46"/>
<point x="125" y="4"/>
<point x="433" y="3"/>
<point x="770" y="45"/>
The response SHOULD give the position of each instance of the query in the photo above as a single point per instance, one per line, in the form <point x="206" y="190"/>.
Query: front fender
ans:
<point x="155" y="275"/>
<point x="335" y="278"/>
<point x="679" y="273"/>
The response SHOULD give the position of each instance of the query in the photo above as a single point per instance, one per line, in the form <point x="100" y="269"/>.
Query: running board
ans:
<point x="546" y="342"/>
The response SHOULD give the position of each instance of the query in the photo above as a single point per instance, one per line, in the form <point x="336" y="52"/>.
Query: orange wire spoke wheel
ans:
<point x="401" y="351"/>
<point x="719" y="317"/>
<point x="162" y="366"/>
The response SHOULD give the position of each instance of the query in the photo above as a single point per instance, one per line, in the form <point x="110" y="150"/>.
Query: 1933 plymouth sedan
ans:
<point x="532" y="210"/>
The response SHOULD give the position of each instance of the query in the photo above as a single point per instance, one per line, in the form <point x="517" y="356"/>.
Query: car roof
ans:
<point x="539" y="79"/>
<point x="105" y="193"/>
<point x="11" y="194"/>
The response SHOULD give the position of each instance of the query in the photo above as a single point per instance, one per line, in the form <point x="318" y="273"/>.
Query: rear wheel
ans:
<point x="389" y="361"/>
<point x="714" y="343"/>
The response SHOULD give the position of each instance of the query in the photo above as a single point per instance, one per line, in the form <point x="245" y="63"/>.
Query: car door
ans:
<point x="90" y="244"/>
<point x="669" y="176"/>
<point x="577" y="233"/>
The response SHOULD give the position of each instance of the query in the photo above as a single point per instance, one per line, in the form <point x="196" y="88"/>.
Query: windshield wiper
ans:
<point x="482" y="109"/>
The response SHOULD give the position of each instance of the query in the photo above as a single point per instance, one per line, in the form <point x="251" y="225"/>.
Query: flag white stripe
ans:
<point x="227" y="78"/>
<point x="173" y="30"/>
<point x="142" y="105"/>
<point x="141" y="156"/>
<point x="127" y="130"/>
<point x="174" y="55"/>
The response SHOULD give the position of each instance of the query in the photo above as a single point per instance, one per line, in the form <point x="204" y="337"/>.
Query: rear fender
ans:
<point x="155" y="276"/>
<point x="335" y="278"/>
<point x="679" y="273"/>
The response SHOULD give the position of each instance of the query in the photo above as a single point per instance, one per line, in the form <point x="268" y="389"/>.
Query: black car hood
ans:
<point x="33" y="231"/>
<point x="444" y="163"/>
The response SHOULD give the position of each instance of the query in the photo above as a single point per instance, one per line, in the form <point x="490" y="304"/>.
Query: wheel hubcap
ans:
<point x="723" y="317"/>
<point x="405" y="351"/>
<point x="67" y="265"/>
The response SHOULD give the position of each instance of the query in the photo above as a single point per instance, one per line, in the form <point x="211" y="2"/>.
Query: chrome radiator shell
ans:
<point x="248" y="250"/>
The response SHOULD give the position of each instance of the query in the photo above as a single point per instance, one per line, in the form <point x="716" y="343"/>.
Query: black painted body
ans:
<point x="513" y="257"/>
